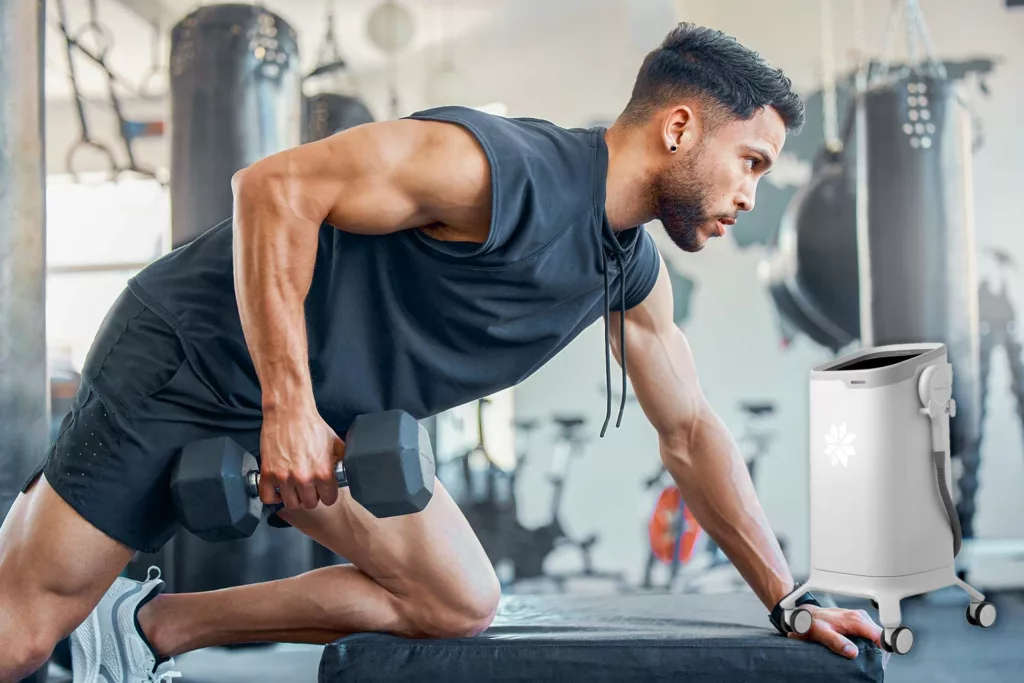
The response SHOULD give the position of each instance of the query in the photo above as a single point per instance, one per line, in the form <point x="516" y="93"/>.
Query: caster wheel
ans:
<point x="900" y="641"/>
<point x="981" y="614"/>
<point x="799" y="620"/>
<point x="874" y="603"/>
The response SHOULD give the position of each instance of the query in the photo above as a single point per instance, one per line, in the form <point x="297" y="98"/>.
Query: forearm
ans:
<point x="274" y="250"/>
<point x="709" y="470"/>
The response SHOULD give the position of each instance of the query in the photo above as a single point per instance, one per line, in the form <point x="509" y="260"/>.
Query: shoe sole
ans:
<point x="80" y="672"/>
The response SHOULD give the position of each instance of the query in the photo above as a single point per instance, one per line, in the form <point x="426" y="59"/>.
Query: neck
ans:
<point x="628" y="200"/>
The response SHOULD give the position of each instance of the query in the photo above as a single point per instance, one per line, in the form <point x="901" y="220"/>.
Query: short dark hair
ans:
<point x="702" y="63"/>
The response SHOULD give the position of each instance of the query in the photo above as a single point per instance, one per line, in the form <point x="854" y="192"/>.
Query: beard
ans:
<point x="680" y="200"/>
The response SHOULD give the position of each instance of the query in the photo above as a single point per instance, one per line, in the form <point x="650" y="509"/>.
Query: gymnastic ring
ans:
<point x="146" y="83"/>
<point x="104" y="39"/>
<point x="69" y="159"/>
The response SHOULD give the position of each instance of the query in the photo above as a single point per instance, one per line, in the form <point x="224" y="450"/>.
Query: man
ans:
<point x="415" y="264"/>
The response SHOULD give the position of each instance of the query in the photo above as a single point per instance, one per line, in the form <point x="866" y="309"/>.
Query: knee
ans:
<point x="464" y="614"/>
<point x="466" y="618"/>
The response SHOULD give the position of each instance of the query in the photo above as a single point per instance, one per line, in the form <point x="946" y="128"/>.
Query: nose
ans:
<point x="744" y="201"/>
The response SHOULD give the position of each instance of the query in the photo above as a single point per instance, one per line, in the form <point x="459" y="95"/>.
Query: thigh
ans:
<point x="113" y="469"/>
<point x="138" y="404"/>
<point x="54" y="565"/>
<point x="433" y="554"/>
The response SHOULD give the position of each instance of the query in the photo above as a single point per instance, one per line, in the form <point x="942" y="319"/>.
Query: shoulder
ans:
<point x="525" y="130"/>
<point x="527" y="149"/>
<point x="645" y="275"/>
<point x="542" y="176"/>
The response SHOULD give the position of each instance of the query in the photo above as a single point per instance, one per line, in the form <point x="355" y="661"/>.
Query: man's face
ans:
<point x="701" y="192"/>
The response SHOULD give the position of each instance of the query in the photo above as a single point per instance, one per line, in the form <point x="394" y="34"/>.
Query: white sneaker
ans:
<point x="109" y="647"/>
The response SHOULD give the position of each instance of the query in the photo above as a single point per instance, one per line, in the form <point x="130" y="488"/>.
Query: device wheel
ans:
<point x="874" y="603"/>
<point x="981" y="614"/>
<point x="900" y="641"/>
<point x="799" y="620"/>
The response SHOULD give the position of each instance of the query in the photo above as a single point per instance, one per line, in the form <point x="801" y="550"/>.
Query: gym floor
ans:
<point x="947" y="650"/>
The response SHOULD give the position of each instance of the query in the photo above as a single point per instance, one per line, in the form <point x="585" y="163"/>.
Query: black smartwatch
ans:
<point x="776" y="615"/>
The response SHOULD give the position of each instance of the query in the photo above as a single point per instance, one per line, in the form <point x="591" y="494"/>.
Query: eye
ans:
<point x="751" y="163"/>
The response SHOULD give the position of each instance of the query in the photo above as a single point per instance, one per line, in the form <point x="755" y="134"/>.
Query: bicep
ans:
<point x="659" y="360"/>
<point x="383" y="177"/>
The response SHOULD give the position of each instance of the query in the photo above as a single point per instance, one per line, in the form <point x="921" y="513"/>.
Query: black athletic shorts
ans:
<point x="139" y="403"/>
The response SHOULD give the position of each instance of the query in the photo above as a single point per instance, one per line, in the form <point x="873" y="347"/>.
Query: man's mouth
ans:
<point x="722" y="223"/>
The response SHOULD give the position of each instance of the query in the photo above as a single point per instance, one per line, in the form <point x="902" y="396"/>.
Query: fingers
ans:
<point x="328" y="487"/>
<point x="831" y="626"/>
<point x="299" y="464"/>
<point x="309" y="498"/>
<point x="306" y="490"/>
<point x="337" y="444"/>
<point x="860" y="623"/>
<point x="328" y="492"/>
<point x="289" y="495"/>
<point x="327" y="483"/>
<point x="856" y="623"/>
<point x="323" y="487"/>
<point x="300" y="489"/>
<point x="324" y="482"/>
<point x="268" y="489"/>
<point x="276" y="487"/>
<point x="822" y="632"/>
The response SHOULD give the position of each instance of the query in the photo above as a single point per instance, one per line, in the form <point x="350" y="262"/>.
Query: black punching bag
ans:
<point x="235" y="98"/>
<point x="879" y="246"/>
<point x="812" y="274"/>
<point x="920" y="282"/>
<point x="327" y="113"/>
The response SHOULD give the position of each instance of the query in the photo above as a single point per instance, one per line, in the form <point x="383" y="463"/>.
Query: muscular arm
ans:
<point x="697" y="449"/>
<point x="373" y="179"/>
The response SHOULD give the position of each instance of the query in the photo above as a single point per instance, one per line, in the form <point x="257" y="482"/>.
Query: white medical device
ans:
<point x="883" y="524"/>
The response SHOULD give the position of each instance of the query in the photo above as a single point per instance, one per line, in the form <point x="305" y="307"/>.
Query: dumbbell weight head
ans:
<point x="389" y="463"/>
<point x="208" y="486"/>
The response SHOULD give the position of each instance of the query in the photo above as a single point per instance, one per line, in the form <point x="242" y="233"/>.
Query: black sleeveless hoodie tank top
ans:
<point x="406" y="321"/>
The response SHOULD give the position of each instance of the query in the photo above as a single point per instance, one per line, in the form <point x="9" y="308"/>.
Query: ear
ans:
<point x="679" y="130"/>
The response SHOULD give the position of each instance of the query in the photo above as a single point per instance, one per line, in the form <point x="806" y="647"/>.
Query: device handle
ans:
<point x="935" y="389"/>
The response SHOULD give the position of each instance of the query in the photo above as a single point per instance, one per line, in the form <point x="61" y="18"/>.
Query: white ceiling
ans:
<point x="436" y="23"/>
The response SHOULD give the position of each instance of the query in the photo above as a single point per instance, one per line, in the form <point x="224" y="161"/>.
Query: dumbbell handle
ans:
<point x="252" y="479"/>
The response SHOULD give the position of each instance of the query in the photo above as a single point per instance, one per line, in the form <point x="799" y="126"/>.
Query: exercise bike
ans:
<point x="545" y="539"/>
<point x="486" y="494"/>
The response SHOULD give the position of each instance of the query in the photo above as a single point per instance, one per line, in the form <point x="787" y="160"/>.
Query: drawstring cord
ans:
<point x="622" y="335"/>
<point x="607" y="354"/>
<point x="608" y="342"/>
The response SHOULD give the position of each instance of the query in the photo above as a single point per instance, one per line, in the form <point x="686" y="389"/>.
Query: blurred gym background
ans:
<point x="150" y="105"/>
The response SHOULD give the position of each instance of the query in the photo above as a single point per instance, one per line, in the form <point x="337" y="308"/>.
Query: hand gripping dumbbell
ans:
<point x="388" y="466"/>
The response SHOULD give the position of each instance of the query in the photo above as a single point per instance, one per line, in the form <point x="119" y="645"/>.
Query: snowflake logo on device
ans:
<point x="839" y="448"/>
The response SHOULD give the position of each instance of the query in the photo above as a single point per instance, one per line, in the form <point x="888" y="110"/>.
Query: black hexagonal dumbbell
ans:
<point x="388" y="466"/>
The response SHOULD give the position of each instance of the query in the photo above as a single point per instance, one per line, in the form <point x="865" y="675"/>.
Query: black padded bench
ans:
<point x="604" y="639"/>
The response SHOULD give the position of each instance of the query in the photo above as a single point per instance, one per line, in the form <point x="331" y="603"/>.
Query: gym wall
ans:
<point x="731" y="326"/>
<point x="731" y="317"/>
